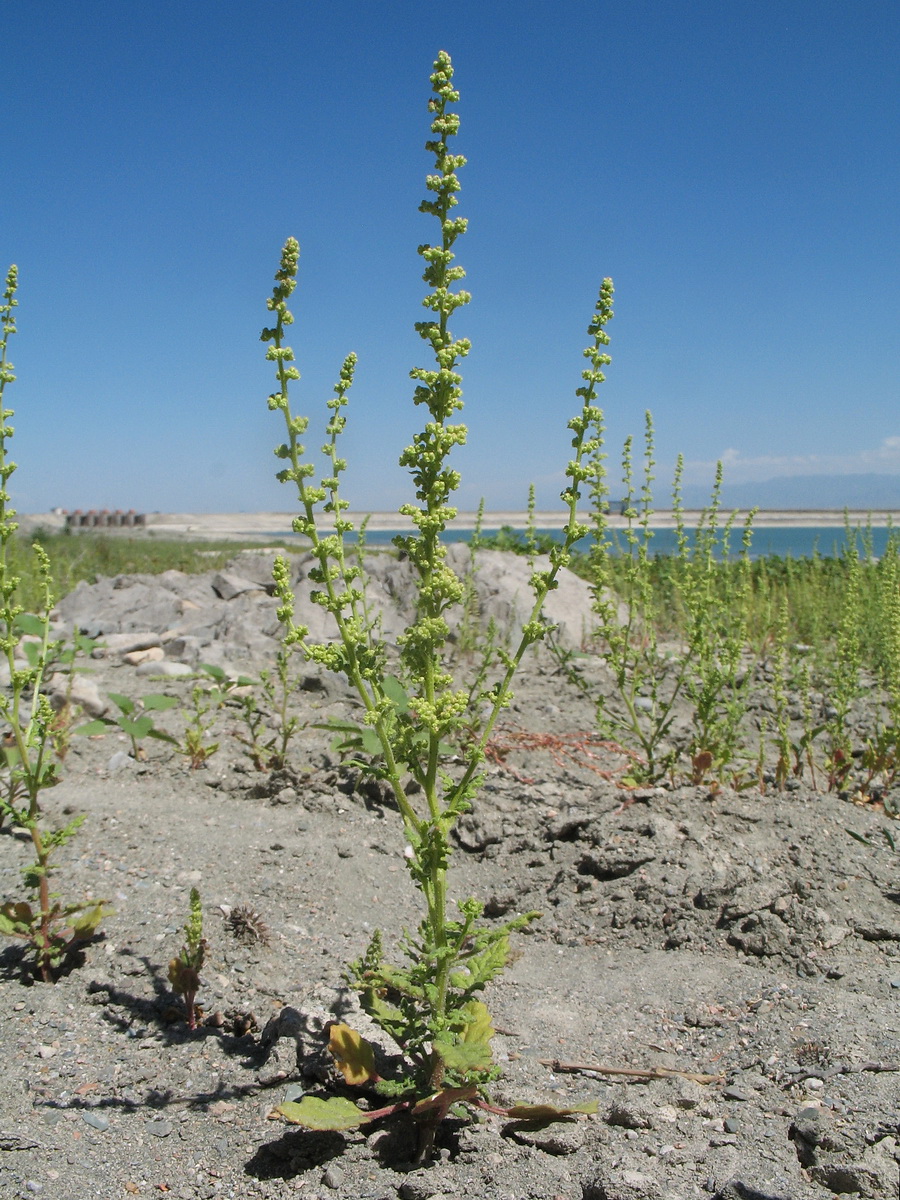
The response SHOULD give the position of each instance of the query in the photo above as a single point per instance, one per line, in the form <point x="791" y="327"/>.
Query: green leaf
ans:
<point x="313" y="1113"/>
<point x="92" y="728"/>
<point x="472" y="1052"/>
<point x="16" y="919"/>
<point x="157" y="702"/>
<point x="162" y="736"/>
<point x="85" y="926"/>
<point x="31" y="624"/>
<point x="395" y="692"/>
<point x="464" y="1057"/>
<point x="858" y="837"/>
<point x="371" y="742"/>
<point x="122" y="702"/>
<point x="138" y="728"/>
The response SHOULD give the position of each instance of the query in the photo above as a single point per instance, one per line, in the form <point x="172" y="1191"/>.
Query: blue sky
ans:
<point x="732" y="165"/>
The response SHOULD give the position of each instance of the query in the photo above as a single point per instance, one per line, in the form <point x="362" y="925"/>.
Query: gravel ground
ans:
<point x="742" y="942"/>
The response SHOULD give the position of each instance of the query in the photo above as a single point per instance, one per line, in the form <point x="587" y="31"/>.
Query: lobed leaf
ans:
<point x="16" y="919"/>
<point x="85" y="926"/>
<point x="354" y="1057"/>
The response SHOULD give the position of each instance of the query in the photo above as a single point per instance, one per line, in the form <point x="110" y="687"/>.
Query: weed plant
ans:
<point x="702" y="662"/>
<point x="413" y="715"/>
<point x="52" y="930"/>
<point x="269" y="726"/>
<point x="184" y="969"/>
<point x="717" y="621"/>
<point x="135" y="720"/>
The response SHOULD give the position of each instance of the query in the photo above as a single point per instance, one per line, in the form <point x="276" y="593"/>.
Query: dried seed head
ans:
<point x="245" y="924"/>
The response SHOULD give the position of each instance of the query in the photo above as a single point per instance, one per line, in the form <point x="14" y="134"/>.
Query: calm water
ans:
<point x="786" y="541"/>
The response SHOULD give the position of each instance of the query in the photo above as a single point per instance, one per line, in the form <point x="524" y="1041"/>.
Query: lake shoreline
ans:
<point x="204" y="526"/>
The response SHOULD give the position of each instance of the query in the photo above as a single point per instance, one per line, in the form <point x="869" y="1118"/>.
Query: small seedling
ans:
<point x="134" y="720"/>
<point x="195" y="746"/>
<point x="265" y="746"/>
<point x="227" y="687"/>
<point x="184" y="970"/>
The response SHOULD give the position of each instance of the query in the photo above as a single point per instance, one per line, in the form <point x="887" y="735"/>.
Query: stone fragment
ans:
<point x="95" y="1119"/>
<point x="863" y="1179"/>
<point x="688" y="1094"/>
<point x="227" y="585"/>
<point x="173" y="670"/>
<point x="63" y="689"/>
<point x="125" y="643"/>
<point x="135" y="658"/>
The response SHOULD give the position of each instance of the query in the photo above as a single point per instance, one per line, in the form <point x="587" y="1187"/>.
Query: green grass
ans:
<point x="77" y="557"/>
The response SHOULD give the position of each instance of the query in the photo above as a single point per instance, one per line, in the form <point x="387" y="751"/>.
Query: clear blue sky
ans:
<point x="733" y="165"/>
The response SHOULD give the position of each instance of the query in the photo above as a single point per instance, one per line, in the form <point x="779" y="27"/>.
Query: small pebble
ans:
<point x="333" y="1177"/>
<point x="159" y="1129"/>
<point x="95" y="1120"/>
<point x="735" y="1093"/>
<point x="731" y="1125"/>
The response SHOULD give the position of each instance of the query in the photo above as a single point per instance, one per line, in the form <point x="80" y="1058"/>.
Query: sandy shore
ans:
<point x="269" y="524"/>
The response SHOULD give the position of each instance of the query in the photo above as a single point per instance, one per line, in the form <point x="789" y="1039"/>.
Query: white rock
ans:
<point x="84" y="692"/>
<point x="135" y="658"/>
<point x="174" y="670"/>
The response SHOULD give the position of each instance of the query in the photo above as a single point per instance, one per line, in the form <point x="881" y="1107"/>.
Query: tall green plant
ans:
<point x="716" y="603"/>
<point x="844" y="666"/>
<point x="881" y="756"/>
<point x="51" y="930"/>
<point x="429" y="1004"/>
<point x="647" y="684"/>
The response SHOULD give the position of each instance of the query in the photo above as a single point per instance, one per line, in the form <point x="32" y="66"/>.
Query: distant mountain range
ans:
<point x="804" y="491"/>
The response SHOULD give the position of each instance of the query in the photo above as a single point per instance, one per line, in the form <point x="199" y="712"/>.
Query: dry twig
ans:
<point x="630" y="1072"/>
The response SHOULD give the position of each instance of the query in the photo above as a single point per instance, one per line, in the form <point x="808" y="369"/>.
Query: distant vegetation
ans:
<point x="74" y="558"/>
